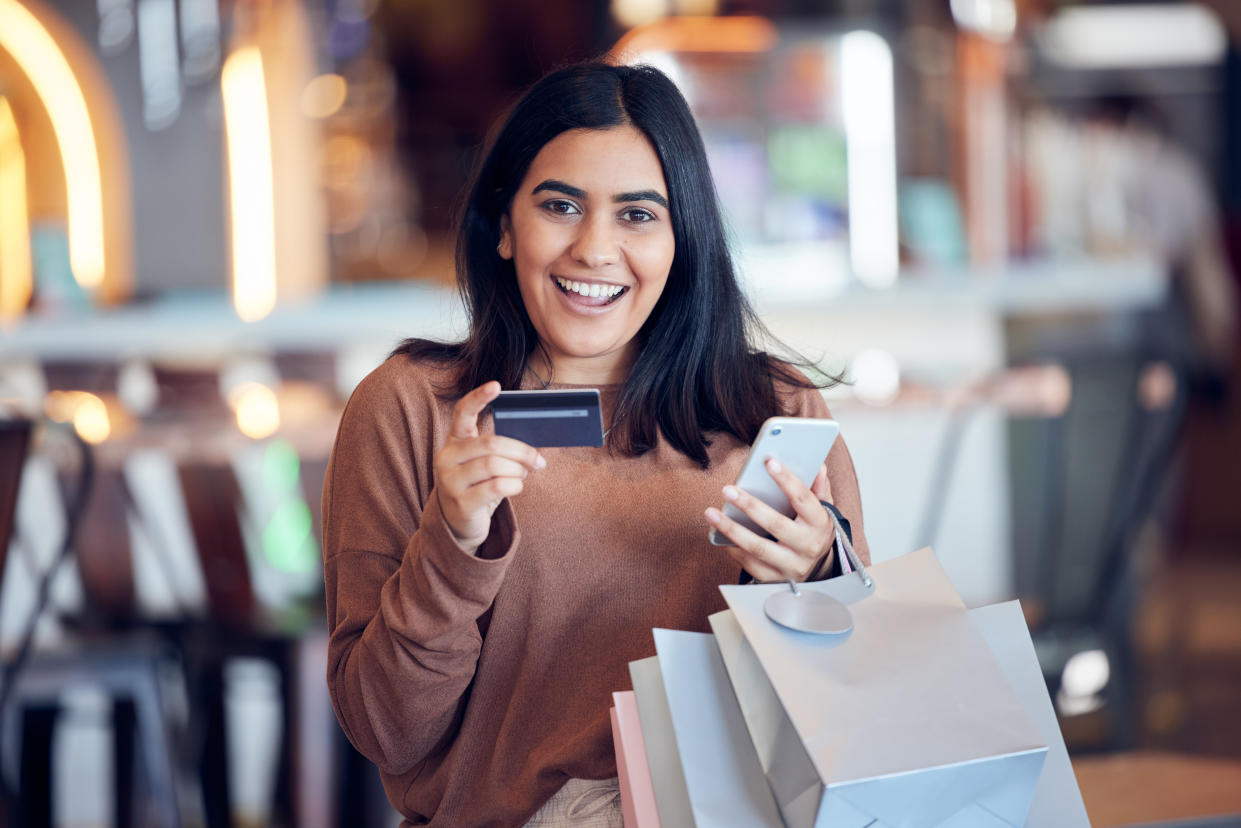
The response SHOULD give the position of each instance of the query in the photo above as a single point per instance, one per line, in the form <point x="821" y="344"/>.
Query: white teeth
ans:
<point x="593" y="291"/>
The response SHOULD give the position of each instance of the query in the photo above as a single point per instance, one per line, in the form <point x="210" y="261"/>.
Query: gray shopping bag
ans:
<point x="655" y="718"/>
<point x="1057" y="799"/>
<point x="907" y="720"/>
<point x="724" y="784"/>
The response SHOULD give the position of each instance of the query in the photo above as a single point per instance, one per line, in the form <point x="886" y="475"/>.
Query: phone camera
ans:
<point x="775" y="431"/>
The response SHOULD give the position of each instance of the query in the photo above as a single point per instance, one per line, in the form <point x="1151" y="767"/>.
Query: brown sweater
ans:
<point x="478" y="685"/>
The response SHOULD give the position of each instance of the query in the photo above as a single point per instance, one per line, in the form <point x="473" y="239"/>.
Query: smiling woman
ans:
<point x="485" y="597"/>
<point x="590" y="236"/>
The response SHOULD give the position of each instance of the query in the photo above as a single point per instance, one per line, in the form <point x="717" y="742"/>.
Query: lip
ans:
<point x="580" y="307"/>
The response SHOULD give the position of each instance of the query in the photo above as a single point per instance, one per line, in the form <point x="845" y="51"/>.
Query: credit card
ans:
<point x="550" y="418"/>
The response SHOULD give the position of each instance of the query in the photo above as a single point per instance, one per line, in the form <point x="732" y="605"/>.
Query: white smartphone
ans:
<point x="800" y="444"/>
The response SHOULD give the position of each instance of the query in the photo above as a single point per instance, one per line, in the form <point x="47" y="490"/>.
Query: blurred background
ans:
<point x="1012" y="224"/>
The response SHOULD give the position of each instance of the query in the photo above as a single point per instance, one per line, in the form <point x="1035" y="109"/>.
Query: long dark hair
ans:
<point x="699" y="368"/>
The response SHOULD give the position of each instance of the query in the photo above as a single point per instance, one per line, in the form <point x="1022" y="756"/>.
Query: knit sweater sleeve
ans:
<point x="403" y="598"/>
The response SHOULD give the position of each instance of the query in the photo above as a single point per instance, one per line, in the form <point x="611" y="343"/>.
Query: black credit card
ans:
<point x="550" y="418"/>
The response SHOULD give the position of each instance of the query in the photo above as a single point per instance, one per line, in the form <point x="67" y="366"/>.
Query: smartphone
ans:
<point x="800" y="444"/>
<point x="550" y="417"/>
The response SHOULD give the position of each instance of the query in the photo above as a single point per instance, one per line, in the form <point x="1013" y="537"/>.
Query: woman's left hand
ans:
<point x="797" y="544"/>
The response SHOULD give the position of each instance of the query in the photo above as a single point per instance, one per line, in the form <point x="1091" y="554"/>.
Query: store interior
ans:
<point x="1013" y="227"/>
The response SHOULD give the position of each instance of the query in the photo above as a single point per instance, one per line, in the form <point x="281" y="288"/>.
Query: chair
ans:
<point x="1083" y="477"/>
<point x="14" y="445"/>
<point x="128" y="668"/>
<point x="1082" y="486"/>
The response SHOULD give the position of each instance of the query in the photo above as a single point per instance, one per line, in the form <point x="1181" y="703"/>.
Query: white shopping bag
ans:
<point x="907" y="720"/>
<point x="667" y="777"/>
<point x="1057" y="800"/>
<point x="723" y="779"/>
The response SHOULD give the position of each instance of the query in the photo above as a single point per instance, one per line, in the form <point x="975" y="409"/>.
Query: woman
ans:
<point x="486" y="597"/>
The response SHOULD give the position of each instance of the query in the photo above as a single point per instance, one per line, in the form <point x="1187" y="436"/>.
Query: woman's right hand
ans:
<point x="474" y="474"/>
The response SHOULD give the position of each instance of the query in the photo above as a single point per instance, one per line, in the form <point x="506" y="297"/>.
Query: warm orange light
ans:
<point x="324" y="96"/>
<point x="59" y="405"/>
<point x="90" y="419"/>
<point x="250" y="183"/>
<point x="16" y="279"/>
<point x="638" y="12"/>
<point x="87" y="412"/>
<point x="697" y="34"/>
<point x="257" y="410"/>
<point x="41" y="59"/>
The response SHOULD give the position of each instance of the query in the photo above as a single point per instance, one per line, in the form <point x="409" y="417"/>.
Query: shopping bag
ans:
<point x="638" y="806"/>
<point x="907" y="720"/>
<point x="655" y="717"/>
<point x="723" y="780"/>
<point x="1057" y="800"/>
<point x="791" y="774"/>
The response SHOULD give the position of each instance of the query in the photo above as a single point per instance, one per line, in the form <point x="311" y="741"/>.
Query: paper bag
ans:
<point x="1057" y="799"/>
<point x="907" y="720"/>
<point x="723" y="779"/>
<point x="632" y="770"/>
<point x="667" y="778"/>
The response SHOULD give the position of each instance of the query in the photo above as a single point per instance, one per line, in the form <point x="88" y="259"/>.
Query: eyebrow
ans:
<point x="620" y="198"/>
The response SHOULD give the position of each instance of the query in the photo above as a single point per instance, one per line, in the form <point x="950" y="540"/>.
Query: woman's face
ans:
<point x="590" y="236"/>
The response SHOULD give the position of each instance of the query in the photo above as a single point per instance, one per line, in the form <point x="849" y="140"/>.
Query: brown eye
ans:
<point x="561" y="207"/>
<point x="636" y="215"/>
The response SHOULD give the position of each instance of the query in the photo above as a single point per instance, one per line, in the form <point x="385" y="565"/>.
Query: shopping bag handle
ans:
<point x="849" y="560"/>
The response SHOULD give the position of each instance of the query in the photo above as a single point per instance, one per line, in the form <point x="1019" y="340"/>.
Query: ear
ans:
<point x="505" y="247"/>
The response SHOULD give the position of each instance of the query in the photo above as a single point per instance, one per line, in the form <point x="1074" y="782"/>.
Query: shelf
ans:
<point x="202" y="327"/>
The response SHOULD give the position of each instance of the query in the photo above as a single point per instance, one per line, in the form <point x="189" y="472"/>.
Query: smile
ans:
<point x="609" y="293"/>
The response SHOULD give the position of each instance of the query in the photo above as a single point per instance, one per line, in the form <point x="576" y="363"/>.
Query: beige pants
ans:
<point x="582" y="803"/>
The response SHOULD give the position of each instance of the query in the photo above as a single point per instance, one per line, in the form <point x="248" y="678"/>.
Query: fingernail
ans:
<point x="774" y="465"/>
<point x="713" y="516"/>
<point x="539" y="462"/>
<point x="731" y="493"/>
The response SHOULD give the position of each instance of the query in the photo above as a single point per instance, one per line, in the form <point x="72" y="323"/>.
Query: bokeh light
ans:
<point x="90" y="418"/>
<point x="876" y="376"/>
<point x="256" y="409"/>
<point x="324" y="96"/>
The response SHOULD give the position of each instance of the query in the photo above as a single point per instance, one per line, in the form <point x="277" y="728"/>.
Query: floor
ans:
<point x="1187" y="760"/>
<point x="1150" y="786"/>
<point x="1189" y="649"/>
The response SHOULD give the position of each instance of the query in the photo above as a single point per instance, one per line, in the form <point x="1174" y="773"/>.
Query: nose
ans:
<point x="595" y="245"/>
